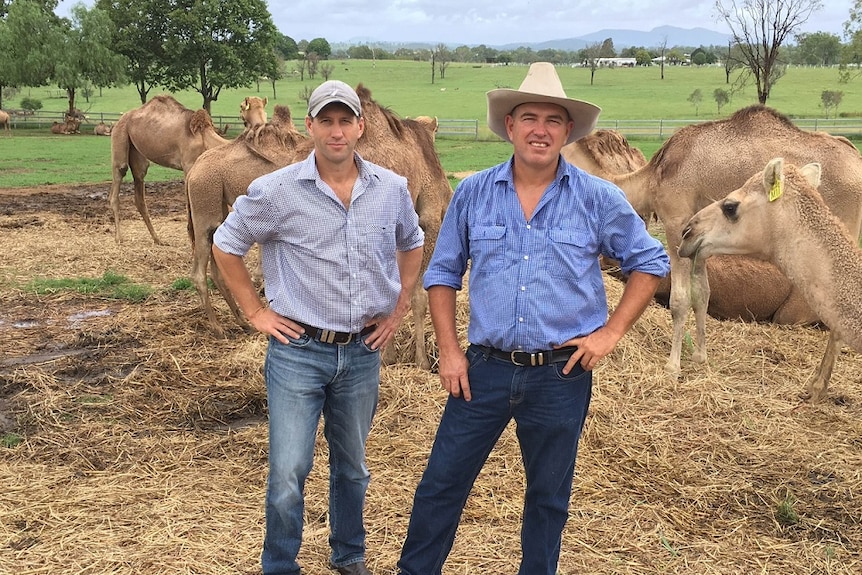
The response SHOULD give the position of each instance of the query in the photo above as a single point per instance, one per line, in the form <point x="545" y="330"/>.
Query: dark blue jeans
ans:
<point x="549" y="409"/>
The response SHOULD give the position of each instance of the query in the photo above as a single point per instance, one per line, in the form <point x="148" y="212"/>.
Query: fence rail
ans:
<point x="468" y="128"/>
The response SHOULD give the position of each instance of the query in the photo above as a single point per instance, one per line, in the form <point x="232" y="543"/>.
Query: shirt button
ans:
<point x="520" y="319"/>
<point x="526" y="257"/>
<point x="523" y="288"/>
<point x="529" y="227"/>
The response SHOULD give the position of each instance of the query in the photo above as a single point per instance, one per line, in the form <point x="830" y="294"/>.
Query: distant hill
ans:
<point x="622" y="39"/>
<point x="625" y="38"/>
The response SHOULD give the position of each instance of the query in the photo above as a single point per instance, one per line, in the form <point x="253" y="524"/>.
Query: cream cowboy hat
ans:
<point x="541" y="85"/>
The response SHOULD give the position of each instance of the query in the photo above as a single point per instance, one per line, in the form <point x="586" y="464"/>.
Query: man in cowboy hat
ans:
<point x="532" y="230"/>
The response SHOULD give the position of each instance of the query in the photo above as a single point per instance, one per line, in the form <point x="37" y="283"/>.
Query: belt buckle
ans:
<point x="515" y="361"/>
<point x="329" y="336"/>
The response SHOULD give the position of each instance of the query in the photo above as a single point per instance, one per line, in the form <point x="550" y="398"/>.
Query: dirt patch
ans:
<point x="143" y="437"/>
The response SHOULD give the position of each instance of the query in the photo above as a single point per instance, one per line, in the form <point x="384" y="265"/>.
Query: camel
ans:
<point x="6" y="122"/>
<point x="402" y="145"/>
<point x="70" y="126"/>
<point x="703" y="162"/>
<point x="779" y="215"/>
<point x="102" y="129"/>
<point x="162" y="131"/>
<point x="430" y="124"/>
<point x="252" y="111"/>
<point x="603" y="153"/>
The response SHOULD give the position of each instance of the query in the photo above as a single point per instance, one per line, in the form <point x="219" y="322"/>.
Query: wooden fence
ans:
<point x="467" y="128"/>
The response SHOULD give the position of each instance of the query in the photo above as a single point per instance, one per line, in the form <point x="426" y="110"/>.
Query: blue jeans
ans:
<point x="303" y="380"/>
<point x="549" y="409"/>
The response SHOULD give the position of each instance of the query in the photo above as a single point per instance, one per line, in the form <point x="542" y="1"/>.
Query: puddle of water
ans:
<point x="73" y="321"/>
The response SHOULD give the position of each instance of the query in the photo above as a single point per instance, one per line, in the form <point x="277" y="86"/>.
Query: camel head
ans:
<point x="252" y="111"/>
<point x="741" y="222"/>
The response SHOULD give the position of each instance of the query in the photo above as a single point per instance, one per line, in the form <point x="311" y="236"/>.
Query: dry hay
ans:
<point x="145" y="439"/>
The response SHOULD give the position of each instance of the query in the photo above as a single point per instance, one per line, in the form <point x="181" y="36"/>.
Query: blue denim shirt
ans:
<point x="538" y="283"/>
<point x="323" y="264"/>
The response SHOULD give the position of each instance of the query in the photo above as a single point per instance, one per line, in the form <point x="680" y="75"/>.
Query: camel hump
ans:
<point x="200" y="121"/>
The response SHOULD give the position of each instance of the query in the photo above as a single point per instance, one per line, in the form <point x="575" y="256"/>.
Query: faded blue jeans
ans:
<point x="304" y="380"/>
<point x="549" y="410"/>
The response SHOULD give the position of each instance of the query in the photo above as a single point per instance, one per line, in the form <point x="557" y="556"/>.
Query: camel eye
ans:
<point x="729" y="210"/>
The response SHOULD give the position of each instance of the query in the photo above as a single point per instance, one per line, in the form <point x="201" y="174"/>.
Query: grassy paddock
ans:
<point x="623" y="94"/>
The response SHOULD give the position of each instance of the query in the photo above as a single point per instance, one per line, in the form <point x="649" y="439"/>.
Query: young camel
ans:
<point x="703" y="162"/>
<point x="779" y="215"/>
<point x="161" y="131"/>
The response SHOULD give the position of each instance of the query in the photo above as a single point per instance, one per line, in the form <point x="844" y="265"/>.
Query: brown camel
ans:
<point x="69" y="126"/>
<point x="603" y="153"/>
<point x="161" y="131"/>
<point x="779" y="215"/>
<point x="402" y="145"/>
<point x="5" y="122"/>
<point x="703" y="162"/>
<point x="252" y="110"/>
<point x="102" y="129"/>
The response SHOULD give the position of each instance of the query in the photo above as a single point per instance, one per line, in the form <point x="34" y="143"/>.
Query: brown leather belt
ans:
<point x="526" y="359"/>
<point x="329" y="336"/>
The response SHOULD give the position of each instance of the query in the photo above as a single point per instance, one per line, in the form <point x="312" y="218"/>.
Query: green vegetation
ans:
<point x="785" y="513"/>
<point x="110" y="285"/>
<point x="10" y="440"/>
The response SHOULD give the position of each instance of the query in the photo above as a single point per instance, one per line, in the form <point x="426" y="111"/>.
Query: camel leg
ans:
<point x="699" y="303"/>
<point x="200" y="262"/>
<point x="815" y="389"/>
<point x="139" y="165"/>
<point x="680" y="304"/>
<point x="114" y="200"/>
<point x="419" y="304"/>
<point x="218" y="280"/>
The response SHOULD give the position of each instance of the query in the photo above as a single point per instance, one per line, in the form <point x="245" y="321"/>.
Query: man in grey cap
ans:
<point x="341" y="251"/>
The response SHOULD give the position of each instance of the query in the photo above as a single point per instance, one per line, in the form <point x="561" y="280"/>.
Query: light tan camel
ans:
<point x="703" y="162"/>
<point x="603" y="153"/>
<point x="779" y="215"/>
<point x="102" y="129"/>
<point x="69" y="126"/>
<point x="402" y="145"/>
<point x="252" y="110"/>
<point x="431" y="124"/>
<point x="6" y="122"/>
<point x="161" y="131"/>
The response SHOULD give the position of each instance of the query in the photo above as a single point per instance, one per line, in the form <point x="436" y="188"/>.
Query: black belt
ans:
<point x="329" y="336"/>
<point x="526" y="359"/>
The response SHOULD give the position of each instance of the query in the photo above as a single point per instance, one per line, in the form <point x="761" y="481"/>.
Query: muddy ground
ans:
<point x="134" y="440"/>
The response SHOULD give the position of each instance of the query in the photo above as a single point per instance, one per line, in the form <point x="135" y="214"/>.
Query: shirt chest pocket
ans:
<point x="378" y="244"/>
<point x="571" y="253"/>
<point x="487" y="248"/>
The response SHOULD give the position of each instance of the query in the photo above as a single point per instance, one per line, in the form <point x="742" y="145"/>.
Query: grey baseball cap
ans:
<point x="330" y="92"/>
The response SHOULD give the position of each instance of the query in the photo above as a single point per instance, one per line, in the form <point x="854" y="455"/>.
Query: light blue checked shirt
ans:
<point x="536" y="284"/>
<point x="325" y="265"/>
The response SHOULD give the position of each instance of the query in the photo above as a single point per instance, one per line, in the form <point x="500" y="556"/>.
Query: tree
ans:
<point x="140" y="27"/>
<point x="443" y="57"/>
<point x="851" y="54"/>
<point x="211" y="44"/>
<point x="30" y="35"/>
<point x="831" y="99"/>
<point x="732" y="60"/>
<point x="818" y="49"/>
<point x="320" y="47"/>
<point x="643" y="57"/>
<point x="721" y="97"/>
<point x="695" y="98"/>
<point x="759" y="28"/>
<point x="286" y="46"/>
<point x="591" y="56"/>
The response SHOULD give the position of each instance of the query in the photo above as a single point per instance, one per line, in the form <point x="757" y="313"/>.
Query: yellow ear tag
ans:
<point x="776" y="190"/>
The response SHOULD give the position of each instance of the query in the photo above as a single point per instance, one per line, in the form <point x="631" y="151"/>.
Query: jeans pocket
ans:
<point x="577" y="371"/>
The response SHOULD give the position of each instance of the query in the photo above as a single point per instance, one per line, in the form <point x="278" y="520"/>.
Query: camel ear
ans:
<point x="773" y="178"/>
<point x="812" y="173"/>
<point x="264" y="100"/>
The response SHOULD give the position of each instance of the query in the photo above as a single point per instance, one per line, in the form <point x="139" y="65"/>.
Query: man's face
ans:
<point x="538" y="131"/>
<point x="335" y="131"/>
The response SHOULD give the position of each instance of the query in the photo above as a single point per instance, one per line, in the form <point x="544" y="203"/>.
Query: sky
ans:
<point x="498" y="22"/>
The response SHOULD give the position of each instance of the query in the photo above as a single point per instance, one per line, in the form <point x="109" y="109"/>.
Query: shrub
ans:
<point x="31" y="104"/>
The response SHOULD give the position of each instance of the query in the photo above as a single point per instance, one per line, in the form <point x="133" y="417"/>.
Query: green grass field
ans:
<point x="36" y="157"/>
<point x="631" y="93"/>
